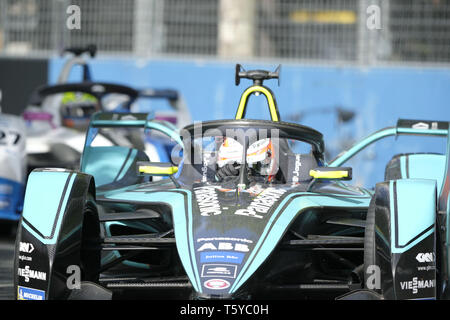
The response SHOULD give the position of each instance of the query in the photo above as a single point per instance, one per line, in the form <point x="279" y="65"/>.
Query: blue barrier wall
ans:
<point x="378" y="96"/>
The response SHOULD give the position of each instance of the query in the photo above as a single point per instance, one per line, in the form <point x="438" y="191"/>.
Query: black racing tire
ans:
<point x="90" y="241"/>
<point x="370" y="246"/>
<point x="7" y="229"/>
<point x="16" y="258"/>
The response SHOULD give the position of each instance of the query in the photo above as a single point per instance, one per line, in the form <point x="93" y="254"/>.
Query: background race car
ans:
<point x="57" y="116"/>
<point x="13" y="167"/>
<point x="56" y="132"/>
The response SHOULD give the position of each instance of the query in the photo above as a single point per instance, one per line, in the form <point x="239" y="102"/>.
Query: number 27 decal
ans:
<point x="9" y="137"/>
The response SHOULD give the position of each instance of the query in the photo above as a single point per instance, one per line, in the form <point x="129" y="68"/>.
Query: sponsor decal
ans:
<point x="241" y="247"/>
<point x="25" y="293"/>
<point x="25" y="258"/>
<point x="128" y="117"/>
<point x="224" y="239"/>
<point x="262" y="203"/>
<point x="425" y="257"/>
<point x="216" y="284"/>
<point x="206" y="161"/>
<point x="207" y="201"/>
<point x="222" y="256"/>
<point x="425" y="126"/>
<point x="9" y="138"/>
<point x="421" y="125"/>
<point x="426" y="268"/>
<point x="26" y="247"/>
<point x="28" y="273"/>
<point x="219" y="270"/>
<point x="296" y="172"/>
<point x="415" y="284"/>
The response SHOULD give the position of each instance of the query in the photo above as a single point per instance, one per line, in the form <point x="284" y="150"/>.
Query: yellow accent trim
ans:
<point x="338" y="174"/>
<point x="166" y="171"/>
<point x="269" y="97"/>
<point x="74" y="97"/>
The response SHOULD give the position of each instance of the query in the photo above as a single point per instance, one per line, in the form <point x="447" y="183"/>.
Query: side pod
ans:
<point x="403" y="222"/>
<point x="59" y="215"/>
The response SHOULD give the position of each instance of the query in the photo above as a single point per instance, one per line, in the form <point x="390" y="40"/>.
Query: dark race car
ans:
<point x="250" y="211"/>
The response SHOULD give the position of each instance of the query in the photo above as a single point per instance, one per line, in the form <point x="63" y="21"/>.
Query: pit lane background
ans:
<point x="308" y="94"/>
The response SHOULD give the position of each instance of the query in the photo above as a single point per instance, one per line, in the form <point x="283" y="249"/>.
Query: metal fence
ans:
<point x="323" y="31"/>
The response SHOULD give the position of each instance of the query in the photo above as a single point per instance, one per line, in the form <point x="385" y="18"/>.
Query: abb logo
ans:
<point x="241" y="247"/>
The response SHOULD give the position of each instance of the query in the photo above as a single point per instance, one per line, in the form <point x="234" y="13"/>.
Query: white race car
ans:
<point x="57" y="116"/>
<point x="12" y="166"/>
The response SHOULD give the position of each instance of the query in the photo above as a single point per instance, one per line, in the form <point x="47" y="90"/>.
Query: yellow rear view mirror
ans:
<point x="330" y="173"/>
<point x="156" y="168"/>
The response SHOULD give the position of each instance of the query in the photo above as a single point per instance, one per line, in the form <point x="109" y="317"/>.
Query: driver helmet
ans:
<point x="77" y="109"/>
<point x="229" y="152"/>
<point x="261" y="156"/>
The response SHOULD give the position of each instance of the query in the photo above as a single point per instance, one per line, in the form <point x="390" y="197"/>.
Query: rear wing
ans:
<point x="403" y="124"/>
<point x="408" y="127"/>
<point x="403" y="127"/>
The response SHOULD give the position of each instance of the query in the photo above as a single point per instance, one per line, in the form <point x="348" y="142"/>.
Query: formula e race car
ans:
<point x="57" y="116"/>
<point x="12" y="168"/>
<point x="250" y="211"/>
<point x="56" y="132"/>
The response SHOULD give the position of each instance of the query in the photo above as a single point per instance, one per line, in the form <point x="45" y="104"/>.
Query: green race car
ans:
<point x="245" y="209"/>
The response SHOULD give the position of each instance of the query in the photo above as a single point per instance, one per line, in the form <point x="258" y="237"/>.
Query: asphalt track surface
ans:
<point x="6" y="266"/>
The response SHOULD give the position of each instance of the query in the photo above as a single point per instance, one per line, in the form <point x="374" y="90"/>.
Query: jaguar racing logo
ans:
<point x="296" y="172"/>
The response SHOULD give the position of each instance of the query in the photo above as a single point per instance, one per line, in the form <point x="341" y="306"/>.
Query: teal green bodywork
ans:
<point x="387" y="132"/>
<point x="175" y="198"/>
<point x="107" y="164"/>
<point x="286" y="217"/>
<point x="44" y="199"/>
<point x="421" y="166"/>
<point x="416" y="212"/>
<point x="180" y="200"/>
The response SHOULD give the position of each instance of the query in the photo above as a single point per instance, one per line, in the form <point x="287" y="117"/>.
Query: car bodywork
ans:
<point x="410" y="219"/>
<point x="56" y="137"/>
<point x="51" y="144"/>
<point x="13" y="166"/>
<point x="302" y="233"/>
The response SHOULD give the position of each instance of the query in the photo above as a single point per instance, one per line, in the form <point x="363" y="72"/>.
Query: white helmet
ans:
<point x="260" y="155"/>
